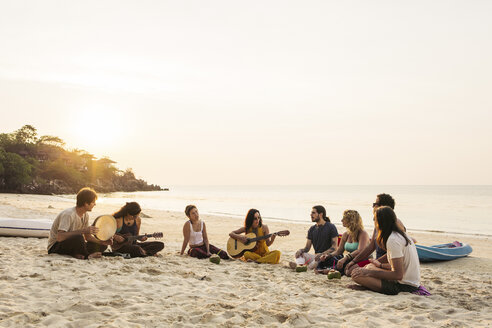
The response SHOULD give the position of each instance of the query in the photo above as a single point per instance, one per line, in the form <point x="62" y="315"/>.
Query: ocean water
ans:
<point x="447" y="209"/>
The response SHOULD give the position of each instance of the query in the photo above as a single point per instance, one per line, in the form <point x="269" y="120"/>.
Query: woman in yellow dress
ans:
<point x="261" y="254"/>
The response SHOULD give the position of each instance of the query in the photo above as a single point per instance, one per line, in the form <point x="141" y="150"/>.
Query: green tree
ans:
<point x="29" y="163"/>
<point x="16" y="171"/>
<point x="60" y="171"/>
<point x="26" y="135"/>
<point x="51" y="140"/>
<point x="5" y="140"/>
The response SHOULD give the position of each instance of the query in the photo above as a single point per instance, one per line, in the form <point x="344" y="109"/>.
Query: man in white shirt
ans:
<point x="71" y="234"/>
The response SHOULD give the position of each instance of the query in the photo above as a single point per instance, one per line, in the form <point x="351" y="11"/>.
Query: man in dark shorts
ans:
<point x="71" y="234"/>
<point x="323" y="236"/>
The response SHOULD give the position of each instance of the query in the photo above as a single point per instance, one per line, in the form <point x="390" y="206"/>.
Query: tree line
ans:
<point x="41" y="165"/>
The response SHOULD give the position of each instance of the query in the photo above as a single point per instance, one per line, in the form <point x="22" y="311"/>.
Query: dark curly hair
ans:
<point x="386" y="200"/>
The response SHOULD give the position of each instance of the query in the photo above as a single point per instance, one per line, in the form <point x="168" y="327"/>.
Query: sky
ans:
<point x="258" y="92"/>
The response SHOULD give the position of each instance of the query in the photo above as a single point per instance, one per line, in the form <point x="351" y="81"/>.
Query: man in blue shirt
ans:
<point x="323" y="236"/>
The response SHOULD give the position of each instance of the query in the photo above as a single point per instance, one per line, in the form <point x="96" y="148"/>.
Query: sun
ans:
<point x="96" y="129"/>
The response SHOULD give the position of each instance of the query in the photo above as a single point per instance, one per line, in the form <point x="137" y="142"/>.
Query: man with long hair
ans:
<point x="323" y="236"/>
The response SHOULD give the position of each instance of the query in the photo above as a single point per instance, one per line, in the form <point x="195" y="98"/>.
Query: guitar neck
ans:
<point x="130" y="238"/>
<point x="261" y="237"/>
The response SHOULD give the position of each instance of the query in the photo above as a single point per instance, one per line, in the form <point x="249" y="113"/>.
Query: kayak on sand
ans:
<point x="25" y="227"/>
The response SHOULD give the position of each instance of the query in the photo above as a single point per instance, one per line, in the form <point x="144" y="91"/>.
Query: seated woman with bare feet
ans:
<point x="195" y="234"/>
<point x="402" y="273"/>
<point x="261" y="253"/>
<point x="128" y="223"/>
<point x="353" y="239"/>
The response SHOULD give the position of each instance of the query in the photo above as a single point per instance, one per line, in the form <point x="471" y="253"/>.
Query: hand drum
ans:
<point x="106" y="225"/>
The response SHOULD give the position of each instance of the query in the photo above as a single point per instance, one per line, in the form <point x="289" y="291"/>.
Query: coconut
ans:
<point x="215" y="259"/>
<point x="334" y="274"/>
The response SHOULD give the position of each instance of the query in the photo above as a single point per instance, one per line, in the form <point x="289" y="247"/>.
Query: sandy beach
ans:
<point x="37" y="289"/>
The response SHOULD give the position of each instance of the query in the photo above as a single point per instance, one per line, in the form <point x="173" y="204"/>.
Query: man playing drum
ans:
<point x="71" y="234"/>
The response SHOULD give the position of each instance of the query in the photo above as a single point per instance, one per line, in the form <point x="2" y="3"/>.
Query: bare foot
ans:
<point x="313" y="265"/>
<point x="79" y="256"/>
<point x="293" y="265"/>
<point x="95" y="255"/>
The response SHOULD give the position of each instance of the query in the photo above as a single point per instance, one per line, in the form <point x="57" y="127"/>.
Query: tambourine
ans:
<point x="106" y="225"/>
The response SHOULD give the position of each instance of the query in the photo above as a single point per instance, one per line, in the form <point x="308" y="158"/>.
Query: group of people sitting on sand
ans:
<point x="395" y="269"/>
<point x="72" y="235"/>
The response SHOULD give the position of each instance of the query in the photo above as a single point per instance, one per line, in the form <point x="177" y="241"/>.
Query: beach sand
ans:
<point x="37" y="289"/>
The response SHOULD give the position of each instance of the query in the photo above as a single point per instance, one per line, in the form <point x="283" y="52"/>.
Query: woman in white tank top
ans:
<point x="195" y="234"/>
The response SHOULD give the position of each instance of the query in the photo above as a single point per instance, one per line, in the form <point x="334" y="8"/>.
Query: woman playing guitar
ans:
<point x="128" y="224"/>
<point x="261" y="253"/>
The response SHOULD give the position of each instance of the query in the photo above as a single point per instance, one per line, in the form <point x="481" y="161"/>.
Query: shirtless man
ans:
<point x="71" y="234"/>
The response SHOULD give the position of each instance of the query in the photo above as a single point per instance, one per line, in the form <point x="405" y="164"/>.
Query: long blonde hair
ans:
<point x="354" y="223"/>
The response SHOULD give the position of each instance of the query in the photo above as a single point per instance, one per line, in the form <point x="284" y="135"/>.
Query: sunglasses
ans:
<point x="375" y="204"/>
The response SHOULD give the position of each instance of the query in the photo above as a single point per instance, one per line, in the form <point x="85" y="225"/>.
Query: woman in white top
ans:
<point x="402" y="273"/>
<point x="195" y="234"/>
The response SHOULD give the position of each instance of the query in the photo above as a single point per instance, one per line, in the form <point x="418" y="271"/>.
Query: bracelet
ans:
<point x="380" y="265"/>
<point x="350" y="257"/>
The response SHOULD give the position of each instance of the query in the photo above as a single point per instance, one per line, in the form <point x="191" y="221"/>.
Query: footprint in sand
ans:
<point x="437" y="281"/>
<point x="353" y="311"/>
<point x="281" y="317"/>
<point x="226" y="306"/>
<point x="151" y="271"/>
<point x="173" y="262"/>
<point x="436" y="316"/>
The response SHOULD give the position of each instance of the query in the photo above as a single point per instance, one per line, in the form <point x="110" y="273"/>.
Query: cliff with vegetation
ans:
<point x="42" y="165"/>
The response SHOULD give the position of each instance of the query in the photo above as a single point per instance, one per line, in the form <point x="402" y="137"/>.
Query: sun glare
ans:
<point x="96" y="129"/>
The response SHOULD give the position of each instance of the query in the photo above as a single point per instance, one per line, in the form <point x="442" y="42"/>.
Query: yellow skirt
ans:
<point x="272" y="257"/>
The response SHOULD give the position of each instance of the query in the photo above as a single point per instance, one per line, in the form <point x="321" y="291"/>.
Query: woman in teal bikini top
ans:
<point x="350" y="247"/>
<point x="353" y="239"/>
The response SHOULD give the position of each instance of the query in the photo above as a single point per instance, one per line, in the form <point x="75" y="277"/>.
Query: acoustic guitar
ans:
<point x="236" y="248"/>
<point x="129" y="239"/>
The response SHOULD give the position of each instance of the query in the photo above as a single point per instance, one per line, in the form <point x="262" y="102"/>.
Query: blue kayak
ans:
<point x="443" y="252"/>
